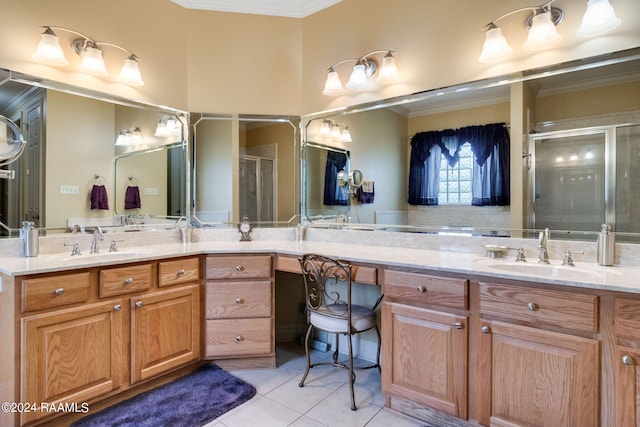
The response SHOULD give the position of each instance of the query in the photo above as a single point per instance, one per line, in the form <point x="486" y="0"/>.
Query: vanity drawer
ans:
<point x="554" y="308"/>
<point x="425" y="289"/>
<point x="238" y="299"/>
<point x="239" y="267"/>
<point x="178" y="271"/>
<point x="238" y="337"/>
<point x="359" y="273"/>
<point x="626" y="320"/>
<point x="123" y="280"/>
<point x="55" y="291"/>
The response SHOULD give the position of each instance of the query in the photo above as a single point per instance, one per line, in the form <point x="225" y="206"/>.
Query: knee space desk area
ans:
<point x="463" y="342"/>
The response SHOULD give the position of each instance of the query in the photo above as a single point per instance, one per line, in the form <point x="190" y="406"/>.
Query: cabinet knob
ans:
<point x="139" y="304"/>
<point x="59" y="291"/>
<point x="532" y="306"/>
<point x="181" y="272"/>
<point x="627" y="360"/>
<point x="485" y="329"/>
<point x="422" y="289"/>
<point x="239" y="301"/>
<point x="239" y="268"/>
<point x="239" y="338"/>
<point x="117" y="307"/>
<point x="457" y="325"/>
<point x="128" y="281"/>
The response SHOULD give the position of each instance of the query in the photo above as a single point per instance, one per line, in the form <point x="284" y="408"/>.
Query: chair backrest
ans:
<point x="324" y="279"/>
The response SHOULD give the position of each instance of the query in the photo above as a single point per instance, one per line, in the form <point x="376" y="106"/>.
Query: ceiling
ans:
<point x="287" y="8"/>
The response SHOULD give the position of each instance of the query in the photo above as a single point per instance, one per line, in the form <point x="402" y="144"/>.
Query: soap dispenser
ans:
<point x="606" y="246"/>
<point x="29" y="235"/>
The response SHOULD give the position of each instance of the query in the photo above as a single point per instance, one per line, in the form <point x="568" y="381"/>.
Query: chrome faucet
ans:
<point x="543" y="257"/>
<point x="97" y="235"/>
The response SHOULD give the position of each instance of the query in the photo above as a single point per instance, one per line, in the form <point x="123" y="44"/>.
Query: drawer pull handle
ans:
<point x="128" y="281"/>
<point x="181" y="272"/>
<point x="117" y="307"/>
<point x="485" y="329"/>
<point x="59" y="291"/>
<point x="239" y="338"/>
<point x="457" y="325"/>
<point x="532" y="306"/>
<point x="239" y="268"/>
<point x="422" y="289"/>
<point x="139" y="304"/>
<point x="239" y="301"/>
<point x="627" y="360"/>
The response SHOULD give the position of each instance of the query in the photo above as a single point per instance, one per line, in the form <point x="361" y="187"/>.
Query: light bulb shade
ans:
<point x="543" y="32"/>
<point x="92" y="62"/>
<point x="130" y="73"/>
<point x="358" y="78"/>
<point x="495" y="46"/>
<point x="49" y="50"/>
<point x="599" y="18"/>
<point x="345" y="136"/>
<point x="389" y="70"/>
<point x="335" y="131"/>
<point x="333" y="85"/>
<point x="325" y="128"/>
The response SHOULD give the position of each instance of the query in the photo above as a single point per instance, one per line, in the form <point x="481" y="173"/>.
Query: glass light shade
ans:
<point x="49" y="50"/>
<point x="345" y="136"/>
<point x="389" y="70"/>
<point x="335" y="131"/>
<point x="161" y="129"/>
<point x="333" y="85"/>
<point x="123" y="139"/>
<point x="325" y="128"/>
<point x="130" y="73"/>
<point x="495" y="48"/>
<point x="599" y="18"/>
<point x="136" y="136"/>
<point x="543" y="32"/>
<point x="358" y="78"/>
<point x="92" y="62"/>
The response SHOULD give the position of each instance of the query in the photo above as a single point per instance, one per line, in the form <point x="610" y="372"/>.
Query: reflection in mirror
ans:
<point x="244" y="166"/>
<point x="583" y="94"/>
<point x="71" y="152"/>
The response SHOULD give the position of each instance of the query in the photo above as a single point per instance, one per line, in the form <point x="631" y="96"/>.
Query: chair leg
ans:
<point x="337" y="350"/>
<point x="352" y="375"/>
<point x="306" y="350"/>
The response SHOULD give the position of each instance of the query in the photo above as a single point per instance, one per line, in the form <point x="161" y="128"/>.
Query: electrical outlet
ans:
<point x="69" y="189"/>
<point x="150" y="191"/>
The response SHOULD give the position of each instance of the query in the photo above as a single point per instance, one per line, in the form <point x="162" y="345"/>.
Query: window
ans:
<point x="455" y="181"/>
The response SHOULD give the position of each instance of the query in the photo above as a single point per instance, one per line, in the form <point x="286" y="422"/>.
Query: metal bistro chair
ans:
<point x="327" y="310"/>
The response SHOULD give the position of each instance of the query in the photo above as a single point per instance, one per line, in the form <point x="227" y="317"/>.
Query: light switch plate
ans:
<point x="151" y="191"/>
<point x="69" y="189"/>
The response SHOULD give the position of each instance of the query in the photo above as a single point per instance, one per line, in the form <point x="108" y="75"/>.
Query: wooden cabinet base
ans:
<point x="268" y="362"/>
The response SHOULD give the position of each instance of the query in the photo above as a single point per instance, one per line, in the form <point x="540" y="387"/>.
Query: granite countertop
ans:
<point x="583" y="275"/>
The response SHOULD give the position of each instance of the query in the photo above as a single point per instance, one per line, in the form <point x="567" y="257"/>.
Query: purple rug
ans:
<point x="191" y="401"/>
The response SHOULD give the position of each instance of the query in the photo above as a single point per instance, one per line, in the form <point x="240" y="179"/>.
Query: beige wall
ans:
<point x="237" y="63"/>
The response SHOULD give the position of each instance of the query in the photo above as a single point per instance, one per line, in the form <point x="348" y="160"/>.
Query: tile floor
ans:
<point x="323" y="401"/>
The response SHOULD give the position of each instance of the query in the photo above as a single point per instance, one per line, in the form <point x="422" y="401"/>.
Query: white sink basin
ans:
<point x="556" y="271"/>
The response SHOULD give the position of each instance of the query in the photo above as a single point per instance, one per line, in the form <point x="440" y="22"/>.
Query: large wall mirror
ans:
<point x="86" y="152"/>
<point x="561" y="112"/>
<point x="245" y="166"/>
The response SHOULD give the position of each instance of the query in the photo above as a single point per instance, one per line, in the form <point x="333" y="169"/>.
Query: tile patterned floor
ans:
<point x="323" y="401"/>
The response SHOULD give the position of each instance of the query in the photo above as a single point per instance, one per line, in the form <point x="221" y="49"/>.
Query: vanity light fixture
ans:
<point x="129" y="137"/>
<point x="50" y="52"/>
<point x="364" y="67"/>
<point x="337" y="131"/>
<point x="169" y="126"/>
<point x="541" y="23"/>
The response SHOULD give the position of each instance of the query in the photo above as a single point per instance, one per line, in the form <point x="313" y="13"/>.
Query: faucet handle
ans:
<point x="520" y="257"/>
<point x="75" y="248"/>
<point x="568" y="259"/>
<point x="113" y="247"/>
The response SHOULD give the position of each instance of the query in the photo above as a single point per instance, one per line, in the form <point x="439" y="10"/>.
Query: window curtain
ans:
<point x="333" y="193"/>
<point x="490" y="145"/>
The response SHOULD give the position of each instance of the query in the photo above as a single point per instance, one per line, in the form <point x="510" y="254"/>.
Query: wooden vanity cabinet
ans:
<point x="239" y="305"/>
<point x="532" y="376"/>
<point x="626" y="362"/>
<point x="93" y="333"/>
<point x="425" y="341"/>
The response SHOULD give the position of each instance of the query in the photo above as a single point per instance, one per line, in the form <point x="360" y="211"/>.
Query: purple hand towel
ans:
<point x="99" y="199"/>
<point x="132" y="198"/>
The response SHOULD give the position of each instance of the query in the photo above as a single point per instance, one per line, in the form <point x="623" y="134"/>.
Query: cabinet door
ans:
<point x="425" y="357"/>
<point x="71" y="355"/>
<point x="165" y="331"/>
<point x="534" y="377"/>
<point x="627" y="371"/>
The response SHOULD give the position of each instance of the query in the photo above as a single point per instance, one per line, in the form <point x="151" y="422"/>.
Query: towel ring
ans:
<point x="132" y="179"/>
<point x="101" y="178"/>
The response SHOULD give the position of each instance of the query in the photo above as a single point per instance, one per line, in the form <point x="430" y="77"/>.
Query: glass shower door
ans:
<point x="257" y="188"/>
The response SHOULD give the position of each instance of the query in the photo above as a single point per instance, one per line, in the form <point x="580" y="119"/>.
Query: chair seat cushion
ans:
<point x="362" y="319"/>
